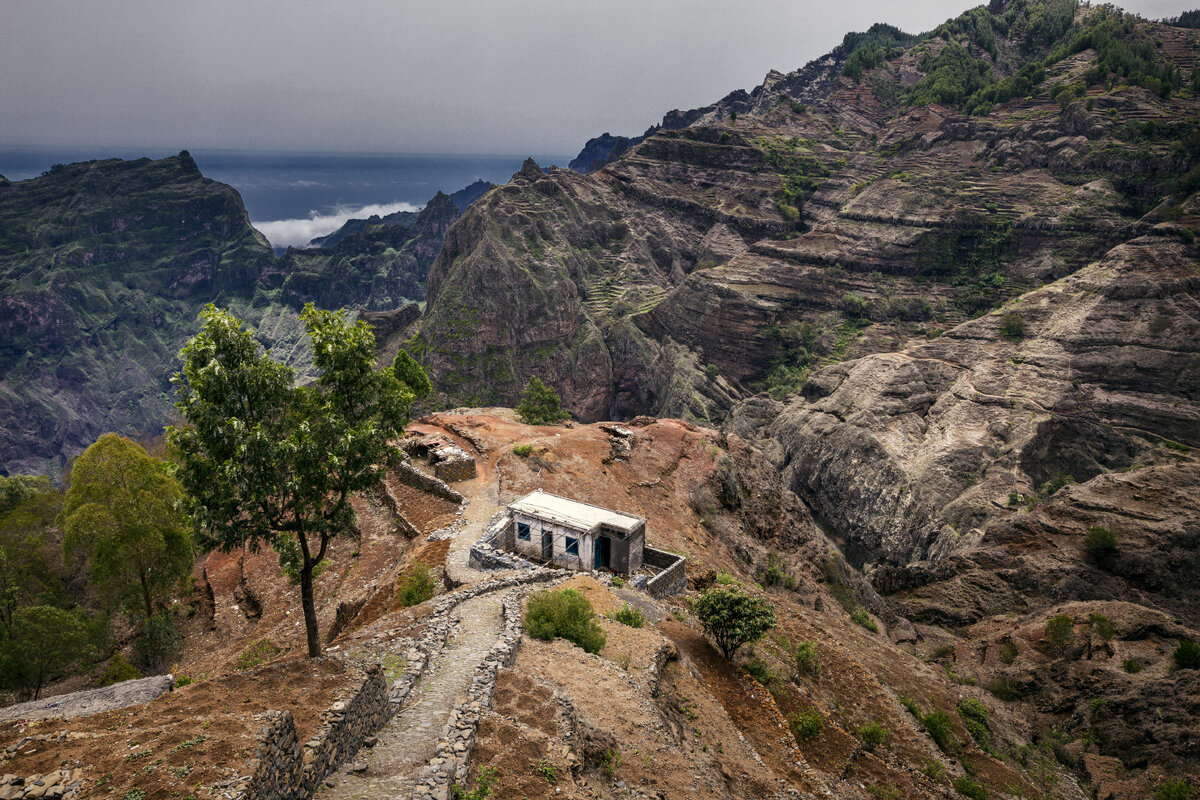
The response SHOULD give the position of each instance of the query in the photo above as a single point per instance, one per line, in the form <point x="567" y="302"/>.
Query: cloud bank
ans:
<point x="299" y="232"/>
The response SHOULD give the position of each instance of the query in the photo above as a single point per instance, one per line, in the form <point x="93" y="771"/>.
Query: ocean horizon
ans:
<point x="295" y="196"/>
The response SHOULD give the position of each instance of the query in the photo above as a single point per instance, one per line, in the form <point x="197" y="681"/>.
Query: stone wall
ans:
<point x="451" y="761"/>
<point x="284" y="770"/>
<point x="409" y="474"/>
<point x="492" y="549"/>
<point x="673" y="576"/>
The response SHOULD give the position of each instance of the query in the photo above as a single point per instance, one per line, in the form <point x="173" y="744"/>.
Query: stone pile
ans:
<point x="409" y="474"/>
<point x="61" y="783"/>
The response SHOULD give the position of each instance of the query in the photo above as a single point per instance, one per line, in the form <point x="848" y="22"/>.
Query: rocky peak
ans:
<point x="530" y="171"/>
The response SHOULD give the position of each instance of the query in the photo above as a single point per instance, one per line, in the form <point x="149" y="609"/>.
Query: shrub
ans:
<point x="183" y="680"/>
<point x="760" y="672"/>
<point x="118" y="670"/>
<point x="1054" y="484"/>
<point x="256" y="654"/>
<point x="1100" y="542"/>
<point x="1059" y="634"/>
<point x="725" y="579"/>
<point x="540" y="404"/>
<point x="628" y="615"/>
<point x="733" y="618"/>
<point x="807" y="725"/>
<point x="522" y="450"/>
<point x="934" y="770"/>
<point x="483" y="786"/>
<point x="1187" y="655"/>
<point x="941" y="730"/>
<point x="417" y="586"/>
<point x="967" y="787"/>
<point x="1008" y="651"/>
<point x="873" y="734"/>
<point x="775" y="573"/>
<point x="863" y="617"/>
<point x="1132" y="666"/>
<point x="1102" y="626"/>
<point x="566" y="614"/>
<point x="1174" y="789"/>
<point x="807" y="661"/>
<point x="157" y="644"/>
<point x="547" y="771"/>
<point x="617" y="582"/>
<point x="975" y="720"/>
<point x="1012" y="327"/>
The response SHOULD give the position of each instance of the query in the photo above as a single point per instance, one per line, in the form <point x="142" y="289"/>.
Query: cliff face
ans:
<point x="104" y="267"/>
<point x="816" y="219"/>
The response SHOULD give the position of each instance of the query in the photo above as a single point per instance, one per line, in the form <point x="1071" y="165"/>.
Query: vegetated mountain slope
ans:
<point x="831" y="218"/>
<point x="103" y="268"/>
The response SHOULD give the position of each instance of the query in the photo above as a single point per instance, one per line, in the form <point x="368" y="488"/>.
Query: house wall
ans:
<point x="532" y="548"/>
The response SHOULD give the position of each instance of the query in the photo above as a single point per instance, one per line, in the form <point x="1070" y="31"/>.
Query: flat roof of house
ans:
<point x="572" y="513"/>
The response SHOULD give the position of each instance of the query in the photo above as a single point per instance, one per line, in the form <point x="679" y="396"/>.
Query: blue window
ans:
<point x="523" y="531"/>
<point x="572" y="546"/>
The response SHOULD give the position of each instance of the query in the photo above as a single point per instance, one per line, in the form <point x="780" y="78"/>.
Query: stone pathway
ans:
<point x="408" y="741"/>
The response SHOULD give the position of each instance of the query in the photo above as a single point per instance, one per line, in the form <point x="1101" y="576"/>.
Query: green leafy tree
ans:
<point x="31" y="565"/>
<point x="45" y="641"/>
<point x="268" y="462"/>
<point x="125" y="513"/>
<point x="540" y="404"/>
<point x="409" y="372"/>
<point x="733" y="618"/>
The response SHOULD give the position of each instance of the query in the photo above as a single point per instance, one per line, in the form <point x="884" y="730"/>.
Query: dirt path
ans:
<point x="407" y="742"/>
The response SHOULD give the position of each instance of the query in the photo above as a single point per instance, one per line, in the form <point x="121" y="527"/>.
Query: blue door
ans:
<point x="601" y="553"/>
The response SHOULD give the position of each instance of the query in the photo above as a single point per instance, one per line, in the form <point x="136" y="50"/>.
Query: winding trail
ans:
<point x="407" y="742"/>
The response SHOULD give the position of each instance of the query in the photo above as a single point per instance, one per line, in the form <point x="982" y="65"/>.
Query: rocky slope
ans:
<point x="104" y="267"/>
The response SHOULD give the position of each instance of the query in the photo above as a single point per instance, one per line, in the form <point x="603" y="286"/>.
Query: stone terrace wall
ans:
<point x="426" y="483"/>
<point x="283" y="770"/>
<point x="673" y="577"/>
<point x="452" y="758"/>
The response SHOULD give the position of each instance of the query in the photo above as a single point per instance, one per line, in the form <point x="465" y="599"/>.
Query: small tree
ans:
<point x="268" y="462"/>
<point x="1059" y="634"/>
<point x="733" y="618"/>
<point x="1187" y="655"/>
<point x="540" y="404"/>
<point x="1100" y="542"/>
<point x="409" y="372"/>
<point x="45" y="641"/>
<point x="124" y="512"/>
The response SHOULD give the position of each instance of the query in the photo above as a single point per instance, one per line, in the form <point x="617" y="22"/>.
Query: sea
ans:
<point x="294" y="197"/>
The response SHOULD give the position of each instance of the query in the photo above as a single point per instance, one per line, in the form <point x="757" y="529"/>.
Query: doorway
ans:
<point x="547" y="546"/>
<point x="601" y="553"/>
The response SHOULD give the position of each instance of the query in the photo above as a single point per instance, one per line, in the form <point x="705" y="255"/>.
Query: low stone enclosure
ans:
<point x="285" y="769"/>
<point x="663" y="573"/>
<point x="449" y="461"/>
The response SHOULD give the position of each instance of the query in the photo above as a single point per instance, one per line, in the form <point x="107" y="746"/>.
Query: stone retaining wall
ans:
<point x="284" y="770"/>
<point x="451" y="760"/>
<point x="673" y="577"/>
<point x="409" y="474"/>
<point x="493" y="549"/>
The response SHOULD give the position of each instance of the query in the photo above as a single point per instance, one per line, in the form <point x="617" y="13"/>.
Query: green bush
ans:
<point x="725" y="579"/>
<point x="117" y="670"/>
<point x="1100" y="542"/>
<point x="975" y="720"/>
<point x="158" y="644"/>
<point x="522" y="450"/>
<point x="1102" y="626"/>
<point x="760" y="672"/>
<point x="1174" y="789"/>
<point x="1008" y="651"/>
<point x="861" y="616"/>
<point x="967" y="787"/>
<point x="941" y="729"/>
<point x="1187" y="655"/>
<point x="1059" y="634"/>
<point x="566" y="614"/>
<point x="1012" y="327"/>
<point x="417" y="586"/>
<point x="1054" y="484"/>
<point x="1003" y="689"/>
<point x="807" y="661"/>
<point x="733" y="618"/>
<point x="873" y="734"/>
<point x="483" y="786"/>
<point x="540" y="404"/>
<point x="1132" y="666"/>
<point x="256" y="654"/>
<point x="775" y="573"/>
<point x="628" y="615"/>
<point x="807" y="725"/>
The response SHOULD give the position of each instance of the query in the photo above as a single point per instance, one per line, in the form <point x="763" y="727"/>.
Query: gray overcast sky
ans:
<point x="503" y="76"/>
